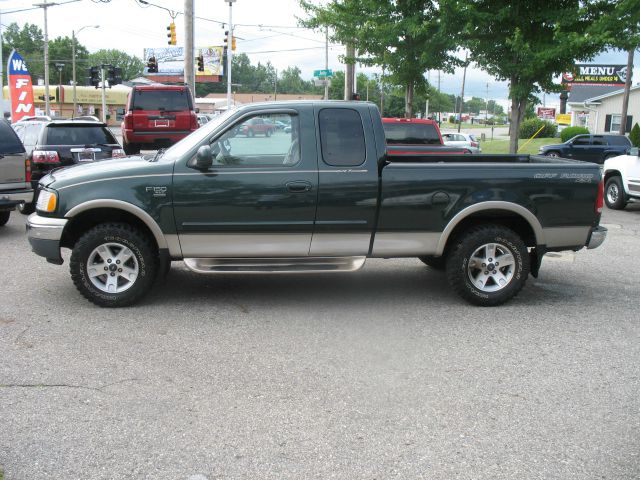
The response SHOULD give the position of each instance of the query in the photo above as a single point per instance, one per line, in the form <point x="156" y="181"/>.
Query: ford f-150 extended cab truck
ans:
<point x="323" y="197"/>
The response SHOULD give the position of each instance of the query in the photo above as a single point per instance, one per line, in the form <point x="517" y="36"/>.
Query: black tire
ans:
<point x="4" y="217"/>
<point x="131" y="148"/>
<point x="437" y="263"/>
<point x="27" y="208"/>
<point x="114" y="238"/>
<point x="476" y="243"/>
<point x="614" y="195"/>
<point x="553" y="153"/>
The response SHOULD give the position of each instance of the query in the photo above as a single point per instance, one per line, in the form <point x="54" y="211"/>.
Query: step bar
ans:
<point x="275" y="265"/>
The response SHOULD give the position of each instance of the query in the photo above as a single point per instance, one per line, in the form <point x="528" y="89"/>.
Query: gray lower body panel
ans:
<point x="275" y="265"/>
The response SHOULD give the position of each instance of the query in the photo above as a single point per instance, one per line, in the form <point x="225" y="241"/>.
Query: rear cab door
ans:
<point x="579" y="148"/>
<point x="350" y="146"/>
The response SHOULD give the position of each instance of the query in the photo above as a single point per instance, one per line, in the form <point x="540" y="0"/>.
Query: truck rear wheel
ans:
<point x="488" y="265"/>
<point x="614" y="195"/>
<point x="113" y="265"/>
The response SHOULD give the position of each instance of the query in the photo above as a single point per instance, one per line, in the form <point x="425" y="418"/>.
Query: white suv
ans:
<point x="622" y="179"/>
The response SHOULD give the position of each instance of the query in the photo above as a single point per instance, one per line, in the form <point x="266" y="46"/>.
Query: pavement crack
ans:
<point x="65" y="385"/>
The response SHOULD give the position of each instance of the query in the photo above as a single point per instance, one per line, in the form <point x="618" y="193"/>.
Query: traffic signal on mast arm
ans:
<point x="94" y="76"/>
<point x="233" y="43"/>
<point x="200" y="59"/>
<point x="172" y="34"/>
<point x="226" y="38"/>
<point x="152" y="65"/>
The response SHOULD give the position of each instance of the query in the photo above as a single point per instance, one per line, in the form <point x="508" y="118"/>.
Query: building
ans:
<point x="599" y="108"/>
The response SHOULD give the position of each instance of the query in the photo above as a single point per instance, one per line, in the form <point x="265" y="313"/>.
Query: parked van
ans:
<point x="157" y="116"/>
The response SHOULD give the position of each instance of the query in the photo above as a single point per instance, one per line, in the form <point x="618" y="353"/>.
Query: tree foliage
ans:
<point x="131" y="66"/>
<point x="404" y="37"/>
<point x="526" y="43"/>
<point x="634" y="135"/>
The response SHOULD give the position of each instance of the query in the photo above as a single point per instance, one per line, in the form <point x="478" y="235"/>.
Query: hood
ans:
<point x="554" y="145"/>
<point x="107" y="169"/>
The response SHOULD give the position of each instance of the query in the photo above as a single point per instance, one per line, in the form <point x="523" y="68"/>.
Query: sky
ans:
<point x="266" y="30"/>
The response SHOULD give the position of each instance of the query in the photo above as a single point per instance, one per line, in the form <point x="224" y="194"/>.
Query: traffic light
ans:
<point x="152" y="65"/>
<point x="114" y="75"/>
<point x="172" y="34"/>
<point x="233" y="43"/>
<point x="94" y="76"/>
<point x="200" y="60"/>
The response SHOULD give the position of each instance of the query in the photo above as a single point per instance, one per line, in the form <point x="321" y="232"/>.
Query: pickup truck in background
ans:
<point x="407" y="136"/>
<point x="15" y="173"/>
<point x="622" y="179"/>
<point x="323" y="197"/>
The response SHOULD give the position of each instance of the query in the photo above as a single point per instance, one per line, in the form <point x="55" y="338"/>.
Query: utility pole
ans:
<point x="439" y="118"/>
<point x="73" y="65"/>
<point x="275" y="87"/>
<point x="104" y="94"/>
<point x="44" y="6"/>
<point x="189" y="56"/>
<point x="627" y="89"/>
<point x="464" y="78"/>
<point x="486" y="107"/>
<point x="350" y="70"/>
<point x="326" y="61"/>
<point x="229" y="52"/>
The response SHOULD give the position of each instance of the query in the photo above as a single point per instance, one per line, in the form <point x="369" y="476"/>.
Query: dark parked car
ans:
<point x="58" y="143"/>
<point x="15" y="188"/>
<point x="589" y="148"/>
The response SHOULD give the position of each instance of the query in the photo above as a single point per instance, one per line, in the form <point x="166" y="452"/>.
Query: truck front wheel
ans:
<point x="614" y="195"/>
<point x="488" y="265"/>
<point x="113" y="265"/>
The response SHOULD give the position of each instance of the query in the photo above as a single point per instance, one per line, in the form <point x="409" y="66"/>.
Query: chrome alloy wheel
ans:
<point x="491" y="267"/>
<point x="613" y="193"/>
<point x="112" y="268"/>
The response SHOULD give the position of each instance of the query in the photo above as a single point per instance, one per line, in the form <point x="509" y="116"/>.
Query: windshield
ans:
<point x="78" y="135"/>
<point x="190" y="141"/>
<point x="169" y="100"/>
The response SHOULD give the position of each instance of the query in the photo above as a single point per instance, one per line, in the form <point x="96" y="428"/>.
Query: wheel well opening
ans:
<point x="511" y="220"/>
<point x="84" y="221"/>
<point x="611" y="173"/>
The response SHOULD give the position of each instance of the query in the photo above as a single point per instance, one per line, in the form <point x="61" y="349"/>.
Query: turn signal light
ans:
<point x="45" y="156"/>
<point x="600" y="198"/>
<point x="47" y="201"/>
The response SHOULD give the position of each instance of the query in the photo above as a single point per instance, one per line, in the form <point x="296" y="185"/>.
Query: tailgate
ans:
<point x="12" y="172"/>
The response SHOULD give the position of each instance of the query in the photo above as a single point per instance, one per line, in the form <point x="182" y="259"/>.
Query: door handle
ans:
<point x="298" y="186"/>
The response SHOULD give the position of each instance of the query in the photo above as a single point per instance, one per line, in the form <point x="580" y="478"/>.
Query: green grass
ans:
<point x="502" y="146"/>
<point x="468" y="126"/>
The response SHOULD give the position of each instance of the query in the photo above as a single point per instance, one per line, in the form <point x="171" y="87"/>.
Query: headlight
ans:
<point x="47" y="201"/>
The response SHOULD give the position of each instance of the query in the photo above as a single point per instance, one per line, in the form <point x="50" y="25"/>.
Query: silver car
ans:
<point x="464" y="140"/>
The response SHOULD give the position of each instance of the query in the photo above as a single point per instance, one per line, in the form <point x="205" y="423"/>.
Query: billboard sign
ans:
<point x="546" y="113"/>
<point x="170" y="60"/>
<point x="212" y="59"/>
<point x="20" y="87"/>
<point x="586" y="74"/>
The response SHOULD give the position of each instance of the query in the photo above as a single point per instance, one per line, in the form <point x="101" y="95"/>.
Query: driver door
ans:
<point x="259" y="197"/>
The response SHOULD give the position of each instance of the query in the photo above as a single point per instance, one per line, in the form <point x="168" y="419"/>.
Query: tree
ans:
<point x="475" y="105"/>
<point x="131" y="66"/>
<point x="525" y="42"/>
<point x="495" y="108"/>
<point x="407" y="38"/>
<point x="61" y="52"/>
<point x="289" y="81"/>
<point x="29" y="42"/>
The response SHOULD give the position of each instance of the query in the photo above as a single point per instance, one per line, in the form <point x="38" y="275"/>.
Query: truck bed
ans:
<point x="482" y="158"/>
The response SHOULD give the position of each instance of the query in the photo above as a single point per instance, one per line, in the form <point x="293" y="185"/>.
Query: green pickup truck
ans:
<point x="321" y="195"/>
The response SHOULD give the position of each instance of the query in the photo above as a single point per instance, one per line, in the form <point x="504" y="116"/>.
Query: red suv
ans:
<point x="257" y="126"/>
<point x="157" y="116"/>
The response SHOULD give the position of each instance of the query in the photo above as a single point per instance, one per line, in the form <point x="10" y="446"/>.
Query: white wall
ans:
<point x="613" y="106"/>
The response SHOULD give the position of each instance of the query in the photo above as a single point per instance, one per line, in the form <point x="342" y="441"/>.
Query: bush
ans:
<point x="452" y="119"/>
<point x="528" y="129"/>
<point x="634" y="135"/>
<point x="571" y="132"/>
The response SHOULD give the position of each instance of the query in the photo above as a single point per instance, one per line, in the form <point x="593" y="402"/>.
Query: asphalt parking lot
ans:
<point x="380" y="374"/>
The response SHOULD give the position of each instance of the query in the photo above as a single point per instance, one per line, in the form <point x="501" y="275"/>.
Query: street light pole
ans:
<point x="229" y="52"/>
<point x="44" y="6"/>
<point x="73" y="63"/>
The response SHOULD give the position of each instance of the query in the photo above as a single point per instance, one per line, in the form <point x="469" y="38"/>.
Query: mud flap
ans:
<point x="535" y="260"/>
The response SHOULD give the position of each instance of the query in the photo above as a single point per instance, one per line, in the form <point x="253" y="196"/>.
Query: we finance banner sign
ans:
<point x="20" y="87"/>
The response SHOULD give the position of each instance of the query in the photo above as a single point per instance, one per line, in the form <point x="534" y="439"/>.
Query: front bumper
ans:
<point x="597" y="237"/>
<point x="44" y="235"/>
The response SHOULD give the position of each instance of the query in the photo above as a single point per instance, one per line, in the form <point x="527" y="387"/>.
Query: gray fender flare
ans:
<point x="492" y="205"/>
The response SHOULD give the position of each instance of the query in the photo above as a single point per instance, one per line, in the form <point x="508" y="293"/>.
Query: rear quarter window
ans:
<point x="169" y="100"/>
<point x="9" y="141"/>
<point x="341" y="137"/>
<point x="619" y="140"/>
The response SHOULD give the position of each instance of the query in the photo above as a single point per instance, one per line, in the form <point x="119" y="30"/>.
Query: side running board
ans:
<point x="275" y="265"/>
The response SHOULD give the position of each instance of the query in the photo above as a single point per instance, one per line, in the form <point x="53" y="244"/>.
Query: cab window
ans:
<point x="259" y="141"/>
<point x="341" y="137"/>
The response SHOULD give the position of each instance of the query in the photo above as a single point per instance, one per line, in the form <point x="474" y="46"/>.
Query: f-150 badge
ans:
<point x="158" y="191"/>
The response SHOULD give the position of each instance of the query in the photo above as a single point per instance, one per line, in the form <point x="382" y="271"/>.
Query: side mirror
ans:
<point x="197" y="110"/>
<point x="204" y="158"/>
<point x="634" y="152"/>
